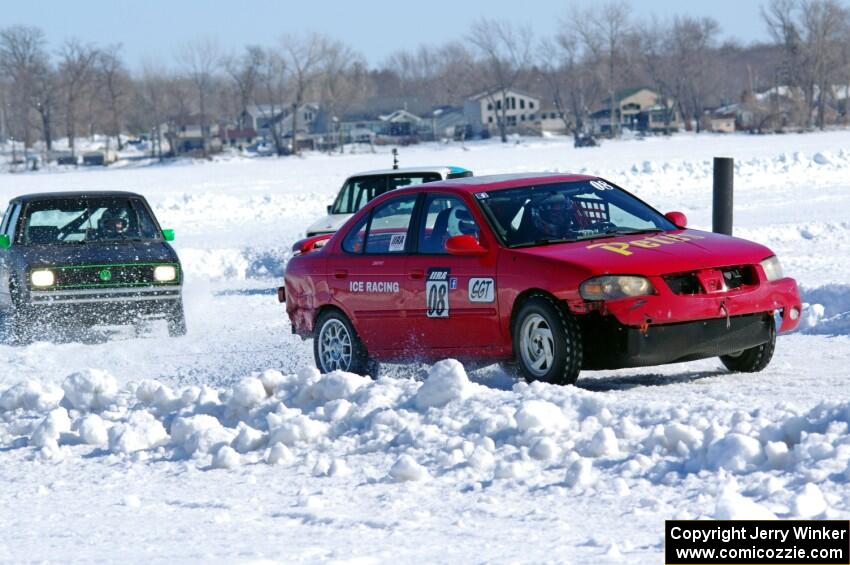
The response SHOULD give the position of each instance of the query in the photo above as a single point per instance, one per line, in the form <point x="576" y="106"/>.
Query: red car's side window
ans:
<point x="354" y="239"/>
<point x="444" y="217"/>
<point x="390" y="223"/>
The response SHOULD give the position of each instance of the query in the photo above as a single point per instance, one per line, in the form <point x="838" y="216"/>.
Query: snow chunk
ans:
<point x="735" y="452"/>
<point x="154" y="393"/>
<point x="540" y="415"/>
<point x="777" y="454"/>
<point x="47" y="432"/>
<point x="809" y="502"/>
<point x="407" y="469"/>
<point x="225" y="458"/>
<point x="278" y="454"/>
<point x="90" y="390"/>
<point x="822" y="158"/>
<point x="141" y="431"/>
<point x="31" y="395"/>
<point x="603" y="444"/>
<point x="248" y="438"/>
<point x="92" y="430"/>
<point x="447" y="381"/>
<point x="580" y="473"/>
<point x="733" y="506"/>
<point x="201" y="433"/>
<point x="294" y="429"/>
<point x="688" y="435"/>
<point x="337" y="385"/>
<point x="248" y="393"/>
<point x="545" y="449"/>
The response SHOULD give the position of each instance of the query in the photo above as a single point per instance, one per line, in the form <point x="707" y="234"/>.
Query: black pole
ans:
<point x="724" y="169"/>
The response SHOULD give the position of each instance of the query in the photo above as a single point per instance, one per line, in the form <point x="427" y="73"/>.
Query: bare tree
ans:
<point x="571" y="83"/>
<point x="201" y="59"/>
<point x="342" y="83"/>
<point x="505" y="50"/>
<point x="603" y="31"/>
<point x="692" y="46"/>
<point x="24" y="62"/>
<point x="245" y="73"/>
<point x="303" y="55"/>
<point x="812" y="34"/>
<point x="151" y="93"/>
<point x="274" y="91"/>
<point x="76" y="72"/>
<point x="114" y="81"/>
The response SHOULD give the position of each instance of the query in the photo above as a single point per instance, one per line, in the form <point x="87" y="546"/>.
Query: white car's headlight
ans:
<point x="615" y="286"/>
<point x="42" y="277"/>
<point x="772" y="268"/>
<point x="164" y="273"/>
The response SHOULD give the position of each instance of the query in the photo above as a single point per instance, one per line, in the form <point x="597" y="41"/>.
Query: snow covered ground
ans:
<point x="225" y="445"/>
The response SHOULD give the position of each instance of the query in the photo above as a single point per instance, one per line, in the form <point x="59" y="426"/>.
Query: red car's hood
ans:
<point x="654" y="254"/>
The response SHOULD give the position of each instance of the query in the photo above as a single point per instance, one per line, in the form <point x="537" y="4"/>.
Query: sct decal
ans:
<point x="437" y="293"/>
<point x="622" y="247"/>
<point x="482" y="290"/>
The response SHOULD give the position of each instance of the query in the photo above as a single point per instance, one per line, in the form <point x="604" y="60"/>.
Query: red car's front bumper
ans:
<point x="666" y="307"/>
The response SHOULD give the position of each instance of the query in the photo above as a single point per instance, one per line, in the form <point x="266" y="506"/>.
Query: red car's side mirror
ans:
<point x="464" y="245"/>
<point x="677" y="218"/>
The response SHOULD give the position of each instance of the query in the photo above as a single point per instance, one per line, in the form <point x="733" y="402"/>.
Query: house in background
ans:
<point x="399" y="126"/>
<point x="550" y="121"/>
<point x="722" y="120"/>
<point x="263" y="117"/>
<point x="449" y="122"/>
<point x="185" y="135"/>
<point x="484" y="110"/>
<point x="637" y="109"/>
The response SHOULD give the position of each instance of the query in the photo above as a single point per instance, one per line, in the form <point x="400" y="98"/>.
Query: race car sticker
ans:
<point x="374" y="287"/>
<point x="622" y="247"/>
<point x="482" y="290"/>
<point x="437" y="293"/>
<point x="397" y="242"/>
<point x="453" y="283"/>
<point x="601" y="185"/>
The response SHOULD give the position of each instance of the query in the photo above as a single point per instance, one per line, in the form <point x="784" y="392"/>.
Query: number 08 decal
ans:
<point x="437" y="293"/>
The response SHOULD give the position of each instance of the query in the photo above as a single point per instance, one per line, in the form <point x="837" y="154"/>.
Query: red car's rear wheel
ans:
<point x="336" y="346"/>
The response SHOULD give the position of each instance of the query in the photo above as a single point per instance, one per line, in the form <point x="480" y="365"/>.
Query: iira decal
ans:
<point x="373" y="286"/>
<point x="622" y="247"/>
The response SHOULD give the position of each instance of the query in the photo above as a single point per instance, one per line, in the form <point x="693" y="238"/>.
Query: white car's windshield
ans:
<point x="358" y="191"/>
<point x="569" y="211"/>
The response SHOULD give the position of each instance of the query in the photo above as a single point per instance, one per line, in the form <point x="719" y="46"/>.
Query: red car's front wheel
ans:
<point x="547" y="342"/>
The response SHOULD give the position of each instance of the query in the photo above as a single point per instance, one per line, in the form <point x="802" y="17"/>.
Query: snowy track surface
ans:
<point x="225" y="446"/>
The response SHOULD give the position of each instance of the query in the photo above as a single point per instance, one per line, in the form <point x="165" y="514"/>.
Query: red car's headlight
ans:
<point x="615" y="286"/>
<point x="772" y="268"/>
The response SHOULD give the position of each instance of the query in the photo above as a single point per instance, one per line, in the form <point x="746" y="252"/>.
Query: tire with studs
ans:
<point x="754" y="359"/>
<point x="547" y="342"/>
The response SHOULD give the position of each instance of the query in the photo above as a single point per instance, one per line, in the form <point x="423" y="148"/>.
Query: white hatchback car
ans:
<point x="363" y="187"/>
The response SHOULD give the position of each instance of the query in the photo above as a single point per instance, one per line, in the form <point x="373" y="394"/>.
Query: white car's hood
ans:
<point x="328" y="224"/>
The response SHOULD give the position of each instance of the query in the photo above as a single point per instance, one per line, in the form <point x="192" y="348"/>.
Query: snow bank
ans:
<point x="447" y="429"/>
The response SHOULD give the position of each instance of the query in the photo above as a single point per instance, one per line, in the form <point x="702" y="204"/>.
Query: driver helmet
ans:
<point x="114" y="221"/>
<point x="553" y="214"/>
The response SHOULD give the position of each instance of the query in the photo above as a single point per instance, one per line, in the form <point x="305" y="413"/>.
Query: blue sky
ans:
<point x="154" y="29"/>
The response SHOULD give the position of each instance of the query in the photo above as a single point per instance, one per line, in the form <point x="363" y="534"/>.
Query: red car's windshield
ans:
<point x="569" y="211"/>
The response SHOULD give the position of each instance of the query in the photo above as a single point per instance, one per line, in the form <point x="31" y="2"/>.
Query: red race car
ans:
<point x="551" y="272"/>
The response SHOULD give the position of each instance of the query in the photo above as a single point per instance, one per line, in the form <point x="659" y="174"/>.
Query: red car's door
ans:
<point x="367" y="276"/>
<point x="450" y="301"/>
